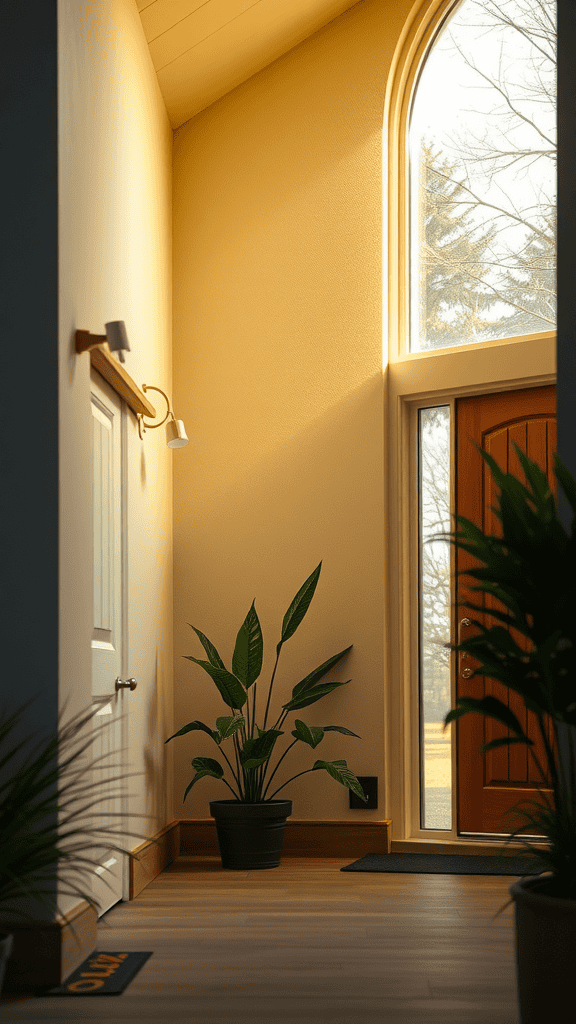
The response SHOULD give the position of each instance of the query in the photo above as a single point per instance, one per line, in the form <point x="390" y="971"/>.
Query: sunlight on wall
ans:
<point x="278" y="372"/>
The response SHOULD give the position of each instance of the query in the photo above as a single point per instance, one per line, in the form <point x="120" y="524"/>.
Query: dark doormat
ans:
<point x="443" y="864"/>
<point x="101" y="974"/>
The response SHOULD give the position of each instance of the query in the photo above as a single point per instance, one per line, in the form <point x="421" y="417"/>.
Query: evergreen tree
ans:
<point x="529" y="286"/>
<point x="454" y="300"/>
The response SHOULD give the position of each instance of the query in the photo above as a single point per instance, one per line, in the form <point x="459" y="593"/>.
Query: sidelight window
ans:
<point x="434" y="616"/>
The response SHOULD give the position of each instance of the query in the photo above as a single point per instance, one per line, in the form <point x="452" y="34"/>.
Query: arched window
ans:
<point x="482" y="156"/>
<point x="471" y="297"/>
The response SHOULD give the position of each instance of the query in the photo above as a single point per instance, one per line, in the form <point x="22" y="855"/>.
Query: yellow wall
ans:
<point x="115" y="264"/>
<point x="278" y="375"/>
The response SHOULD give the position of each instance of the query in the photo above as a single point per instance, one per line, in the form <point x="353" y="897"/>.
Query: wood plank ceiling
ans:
<point x="201" y="49"/>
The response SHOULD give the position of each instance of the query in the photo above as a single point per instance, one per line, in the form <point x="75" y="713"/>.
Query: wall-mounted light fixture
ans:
<point x="102" y="360"/>
<point x="175" y="429"/>
<point x="115" y="336"/>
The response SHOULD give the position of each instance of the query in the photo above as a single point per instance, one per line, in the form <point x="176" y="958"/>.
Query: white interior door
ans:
<point x="108" y="635"/>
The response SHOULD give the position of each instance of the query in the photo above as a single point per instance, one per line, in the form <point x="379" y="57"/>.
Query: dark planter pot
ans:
<point x="545" y="952"/>
<point x="250" y="836"/>
<point x="5" y="950"/>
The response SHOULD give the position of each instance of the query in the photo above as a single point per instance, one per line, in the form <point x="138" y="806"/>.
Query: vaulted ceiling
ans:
<point x="201" y="49"/>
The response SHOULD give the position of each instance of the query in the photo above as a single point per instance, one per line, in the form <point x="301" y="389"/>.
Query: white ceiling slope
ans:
<point x="201" y="49"/>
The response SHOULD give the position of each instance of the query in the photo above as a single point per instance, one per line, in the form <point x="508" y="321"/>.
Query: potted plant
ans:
<point x="530" y="570"/>
<point x="251" y="826"/>
<point x="49" y="839"/>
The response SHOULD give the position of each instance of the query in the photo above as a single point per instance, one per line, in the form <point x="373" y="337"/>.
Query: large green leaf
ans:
<point x="228" y="725"/>
<point x="311" y="696"/>
<point x="340" y="728"/>
<point x="516" y="496"/>
<point x="191" y="727"/>
<point x="497" y="638"/>
<point x="213" y="656"/>
<point x="256" y="751"/>
<point x="247" y="657"/>
<point x="310" y="734"/>
<point x="567" y="483"/>
<point x="47" y="809"/>
<point x="529" y="568"/>
<point x="516" y="673"/>
<point x="231" y="690"/>
<point x="497" y="473"/>
<point x="310" y="680"/>
<point x="313" y="734"/>
<point x="505" y="741"/>
<point x="340" y="771"/>
<point x="204" y="766"/>
<point x="298" y="607"/>
<point x="496" y="613"/>
<point x="490" y="707"/>
<point x="537" y="481"/>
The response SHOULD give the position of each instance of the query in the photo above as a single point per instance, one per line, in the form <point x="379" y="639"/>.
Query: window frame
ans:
<point x="415" y="380"/>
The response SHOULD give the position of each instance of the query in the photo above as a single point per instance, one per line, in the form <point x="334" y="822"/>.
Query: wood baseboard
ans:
<point x="301" y="838"/>
<point x="46" y="952"/>
<point x="154" y="855"/>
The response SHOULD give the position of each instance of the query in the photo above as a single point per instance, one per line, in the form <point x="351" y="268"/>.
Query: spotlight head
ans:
<point x="176" y="434"/>
<point x="117" y="338"/>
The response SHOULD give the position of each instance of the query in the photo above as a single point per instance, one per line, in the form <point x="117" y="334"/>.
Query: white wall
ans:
<point x="115" y="150"/>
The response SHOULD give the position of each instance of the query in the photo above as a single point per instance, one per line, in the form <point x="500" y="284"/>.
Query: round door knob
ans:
<point x="466" y="673"/>
<point x="130" y="684"/>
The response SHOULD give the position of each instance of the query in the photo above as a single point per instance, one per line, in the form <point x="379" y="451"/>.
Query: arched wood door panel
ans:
<point x="489" y="786"/>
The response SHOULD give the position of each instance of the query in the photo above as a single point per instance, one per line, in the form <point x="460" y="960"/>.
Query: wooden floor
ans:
<point x="305" y="944"/>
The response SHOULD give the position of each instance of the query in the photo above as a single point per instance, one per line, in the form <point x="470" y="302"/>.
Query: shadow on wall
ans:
<point x="156" y="764"/>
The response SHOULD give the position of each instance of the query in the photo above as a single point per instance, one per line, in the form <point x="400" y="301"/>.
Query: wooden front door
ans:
<point x="490" y="785"/>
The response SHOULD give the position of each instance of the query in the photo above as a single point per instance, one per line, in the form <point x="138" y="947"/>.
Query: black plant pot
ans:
<point x="545" y="952"/>
<point x="250" y="836"/>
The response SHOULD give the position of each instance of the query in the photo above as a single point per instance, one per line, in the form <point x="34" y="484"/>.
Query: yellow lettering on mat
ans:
<point x="79" y="986"/>
<point x="102" y="966"/>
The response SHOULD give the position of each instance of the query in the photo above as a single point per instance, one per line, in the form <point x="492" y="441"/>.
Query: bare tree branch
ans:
<point x="487" y="215"/>
<point x="501" y="210"/>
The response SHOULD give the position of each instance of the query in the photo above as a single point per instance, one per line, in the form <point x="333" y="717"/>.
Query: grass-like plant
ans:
<point x="530" y="571"/>
<point x="50" y="800"/>
<point x="253" y="746"/>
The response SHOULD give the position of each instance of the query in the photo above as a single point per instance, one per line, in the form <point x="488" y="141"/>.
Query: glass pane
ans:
<point x="482" y="146"/>
<point x="434" y="562"/>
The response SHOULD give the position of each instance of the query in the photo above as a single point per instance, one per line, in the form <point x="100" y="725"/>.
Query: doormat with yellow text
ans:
<point x="102" y="974"/>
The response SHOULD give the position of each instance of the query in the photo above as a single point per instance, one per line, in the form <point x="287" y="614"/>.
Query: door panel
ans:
<point x="107" y="635"/>
<point x="490" y="785"/>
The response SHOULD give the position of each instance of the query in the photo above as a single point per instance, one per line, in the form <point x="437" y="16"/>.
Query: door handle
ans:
<point x="130" y="684"/>
<point x="465" y="670"/>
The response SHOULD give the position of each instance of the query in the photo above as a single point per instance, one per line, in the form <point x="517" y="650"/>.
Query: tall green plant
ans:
<point x="530" y="569"/>
<point x="50" y="837"/>
<point x="253" y="746"/>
